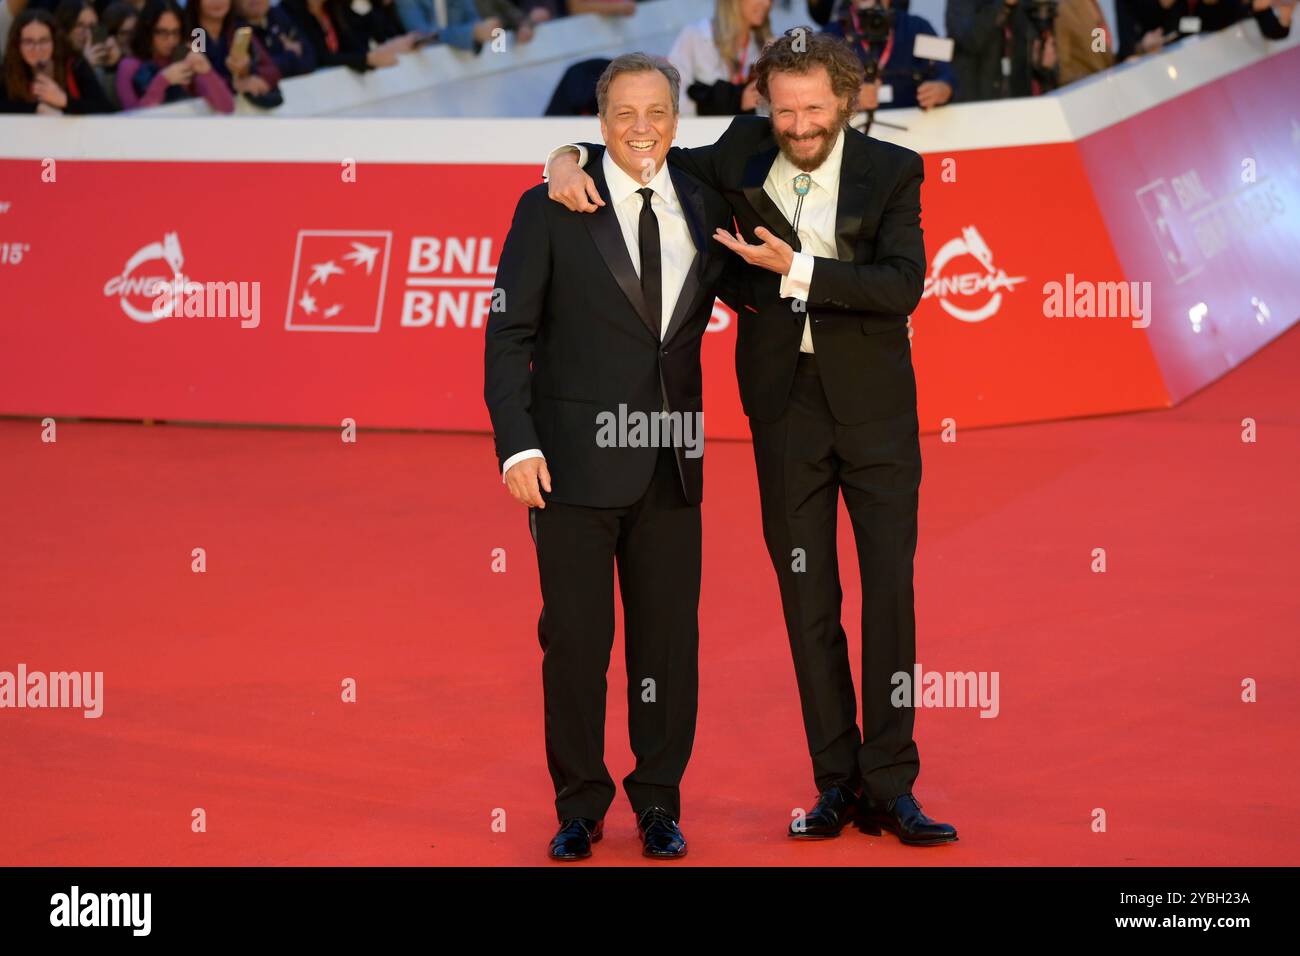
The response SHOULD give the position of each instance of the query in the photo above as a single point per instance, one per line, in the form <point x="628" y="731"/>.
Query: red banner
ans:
<point x="323" y="296"/>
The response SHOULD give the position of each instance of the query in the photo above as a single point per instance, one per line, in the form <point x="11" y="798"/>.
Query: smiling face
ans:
<point x="807" y="116"/>
<point x="639" y="122"/>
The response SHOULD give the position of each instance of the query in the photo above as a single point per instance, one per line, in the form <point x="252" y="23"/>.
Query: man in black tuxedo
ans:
<point x="830" y="234"/>
<point x="592" y="378"/>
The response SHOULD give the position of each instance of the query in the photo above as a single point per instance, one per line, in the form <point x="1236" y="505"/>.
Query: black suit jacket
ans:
<point x="574" y="339"/>
<point x="858" y="303"/>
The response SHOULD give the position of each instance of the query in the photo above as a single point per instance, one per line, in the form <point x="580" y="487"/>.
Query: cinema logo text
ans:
<point x="74" y="908"/>
<point x="140" y="279"/>
<point x="76" y="690"/>
<point x="971" y="296"/>
<point x="635" y="429"/>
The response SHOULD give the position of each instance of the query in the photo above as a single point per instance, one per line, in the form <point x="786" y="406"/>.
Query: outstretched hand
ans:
<point x="774" y="254"/>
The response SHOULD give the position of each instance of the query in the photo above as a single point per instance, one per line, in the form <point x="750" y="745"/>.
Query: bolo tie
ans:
<point x="802" y="184"/>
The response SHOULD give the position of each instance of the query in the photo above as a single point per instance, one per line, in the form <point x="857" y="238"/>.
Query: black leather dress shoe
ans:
<point x="660" y="837"/>
<point x="575" y="838"/>
<point x="835" y="807"/>
<point x="902" y="816"/>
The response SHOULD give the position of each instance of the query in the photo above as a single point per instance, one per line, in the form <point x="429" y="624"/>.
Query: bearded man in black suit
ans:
<point x="834" y="262"/>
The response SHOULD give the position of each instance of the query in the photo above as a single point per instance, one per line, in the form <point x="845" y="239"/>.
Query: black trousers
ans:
<point x="655" y="544"/>
<point x="805" y="461"/>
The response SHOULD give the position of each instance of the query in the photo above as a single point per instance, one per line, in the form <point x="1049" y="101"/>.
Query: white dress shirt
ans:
<point x="676" y="247"/>
<point x="816" y="221"/>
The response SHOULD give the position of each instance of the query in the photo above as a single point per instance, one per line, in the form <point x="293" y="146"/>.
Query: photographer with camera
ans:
<point x="883" y="36"/>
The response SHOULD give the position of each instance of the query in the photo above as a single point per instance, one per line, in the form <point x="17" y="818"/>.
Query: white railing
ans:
<point x="1071" y="114"/>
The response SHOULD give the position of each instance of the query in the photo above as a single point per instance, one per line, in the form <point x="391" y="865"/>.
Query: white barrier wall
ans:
<point x="1174" y="180"/>
<point x="1071" y="114"/>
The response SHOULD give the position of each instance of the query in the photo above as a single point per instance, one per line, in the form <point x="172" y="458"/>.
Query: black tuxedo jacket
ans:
<point x="574" y="339"/>
<point x="859" y="302"/>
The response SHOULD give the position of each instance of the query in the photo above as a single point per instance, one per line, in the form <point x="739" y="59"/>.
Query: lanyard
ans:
<point x="738" y="75"/>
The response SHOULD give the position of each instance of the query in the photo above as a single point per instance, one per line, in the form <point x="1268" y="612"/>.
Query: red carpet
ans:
<point x="1119" y="691"/>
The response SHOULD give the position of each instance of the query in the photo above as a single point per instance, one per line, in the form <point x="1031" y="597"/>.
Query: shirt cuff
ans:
<point x="797" y="283"/>
<point x="518" y="457"/>
<point x="582" y="157"/>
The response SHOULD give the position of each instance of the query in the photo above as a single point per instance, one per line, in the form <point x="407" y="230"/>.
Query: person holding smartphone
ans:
<point x="41" y="75"/>
<point x="282" y="38"/>
<point x="235" y="53"/>
<point x="88" y="40"/>
<point x="161" y="69"/>
<point x="118" y="23"/>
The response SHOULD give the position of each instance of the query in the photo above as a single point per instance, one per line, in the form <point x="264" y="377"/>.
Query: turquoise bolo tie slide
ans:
<point x="802" y="183"/>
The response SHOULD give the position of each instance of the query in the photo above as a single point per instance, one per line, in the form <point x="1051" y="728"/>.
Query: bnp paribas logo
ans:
<point x="964" y="279"/>
<point x="338" y="280"/>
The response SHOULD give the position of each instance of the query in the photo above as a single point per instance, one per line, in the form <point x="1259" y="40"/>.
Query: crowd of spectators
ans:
<point x="100" y="56"/>
<point x="1000" y="48"/>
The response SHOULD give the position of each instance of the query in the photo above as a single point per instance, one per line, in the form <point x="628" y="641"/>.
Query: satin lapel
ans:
<point x="608" y="235"/>
<point x="855" y="168"/>
<point x="691" y="196"/>
<point x="757" y="167"/>
<point x="685" y="299"/>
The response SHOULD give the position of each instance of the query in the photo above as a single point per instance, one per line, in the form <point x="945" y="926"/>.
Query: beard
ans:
<point x="826" y="136"/>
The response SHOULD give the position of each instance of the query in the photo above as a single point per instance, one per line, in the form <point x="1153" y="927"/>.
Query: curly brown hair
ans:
<point x="803" y="49"/>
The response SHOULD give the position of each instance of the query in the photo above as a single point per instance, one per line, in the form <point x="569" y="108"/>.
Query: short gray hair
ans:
<point x="637" y="63"/>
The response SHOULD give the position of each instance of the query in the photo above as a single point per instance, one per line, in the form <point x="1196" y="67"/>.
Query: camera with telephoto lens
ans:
<point x="873" y="26"/>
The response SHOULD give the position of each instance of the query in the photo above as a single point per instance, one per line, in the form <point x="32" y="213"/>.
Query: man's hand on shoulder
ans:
<point x="523" y="478"/>
<point x="570" y="186"/>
